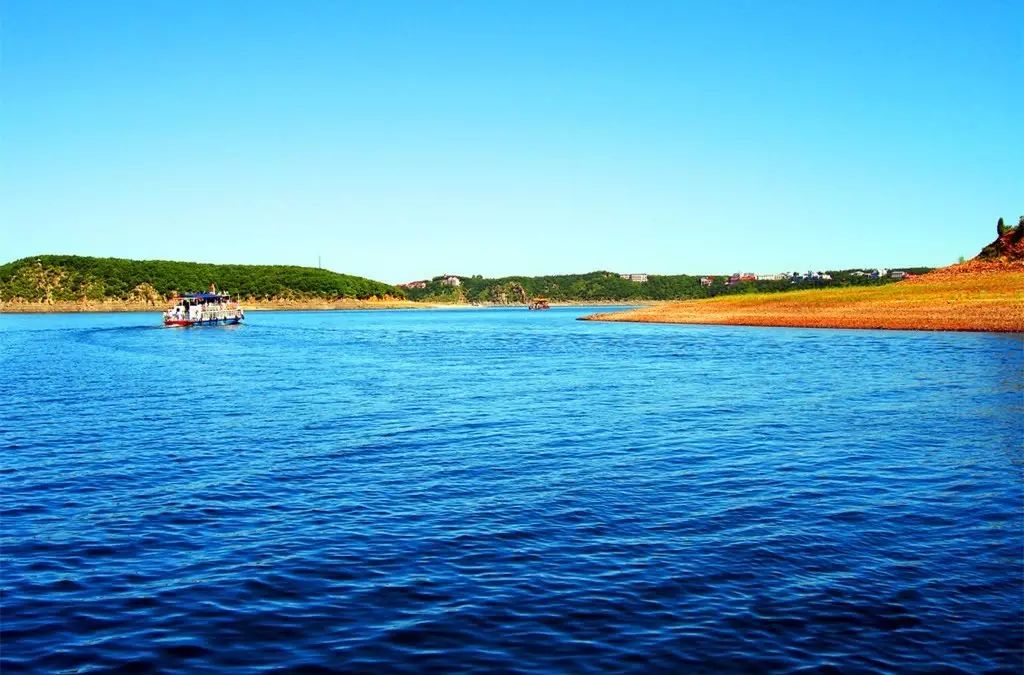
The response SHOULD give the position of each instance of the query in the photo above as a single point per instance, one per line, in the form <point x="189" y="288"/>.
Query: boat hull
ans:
<point x="185" y="323"/>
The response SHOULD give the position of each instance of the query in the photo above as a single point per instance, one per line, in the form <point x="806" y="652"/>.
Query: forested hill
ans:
<point x="53" y="278"/>
<point x="609" y="286"/>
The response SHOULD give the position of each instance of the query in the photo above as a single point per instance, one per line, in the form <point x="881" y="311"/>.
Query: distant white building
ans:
<point x="639" y="278"/>
<point x="451" y="281"/>
<point x="772" y="277"/>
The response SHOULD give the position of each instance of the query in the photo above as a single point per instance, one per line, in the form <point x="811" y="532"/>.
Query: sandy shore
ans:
<point x="969" y="297"/>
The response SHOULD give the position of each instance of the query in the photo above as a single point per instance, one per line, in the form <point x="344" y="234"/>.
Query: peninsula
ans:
<point x="983" y="294"/>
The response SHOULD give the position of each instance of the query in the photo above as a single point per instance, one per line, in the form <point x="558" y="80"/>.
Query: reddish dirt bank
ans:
<point x="972" y="296"/>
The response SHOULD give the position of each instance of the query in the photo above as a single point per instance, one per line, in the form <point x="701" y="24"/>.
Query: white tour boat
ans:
<point x="203" y="309"/>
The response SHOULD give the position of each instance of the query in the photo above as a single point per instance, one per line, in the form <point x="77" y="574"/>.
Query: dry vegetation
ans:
<point x="972" y="296"/>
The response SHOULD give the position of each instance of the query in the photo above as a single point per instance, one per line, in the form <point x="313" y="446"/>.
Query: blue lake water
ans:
<point x="509" y="491"/>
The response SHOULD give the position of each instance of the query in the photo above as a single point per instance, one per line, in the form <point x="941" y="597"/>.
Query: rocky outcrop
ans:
<point x="145" y="293"/>
<point x="506" y="294"/>
<point x="1008" y="245"/>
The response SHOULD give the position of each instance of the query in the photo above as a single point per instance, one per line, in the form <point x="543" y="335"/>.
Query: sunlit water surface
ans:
<point x="503" y="490"/>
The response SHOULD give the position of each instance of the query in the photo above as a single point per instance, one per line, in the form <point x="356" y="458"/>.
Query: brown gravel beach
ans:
<point x="972" y="296"/>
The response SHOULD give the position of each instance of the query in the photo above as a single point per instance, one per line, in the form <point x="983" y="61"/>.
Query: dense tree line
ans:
<point x="609" y="286"/>
<point x="61" y="277"/>
<point x="57" y="278"/>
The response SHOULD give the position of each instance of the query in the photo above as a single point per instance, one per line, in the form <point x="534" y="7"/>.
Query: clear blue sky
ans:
<point x="400" y="140"/>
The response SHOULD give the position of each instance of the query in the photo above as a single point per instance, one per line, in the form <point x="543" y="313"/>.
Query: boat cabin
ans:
<point x="540" y="303"/>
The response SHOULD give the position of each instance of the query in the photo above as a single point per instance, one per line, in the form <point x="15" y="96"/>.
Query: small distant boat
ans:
<point x="203" y="309"/>
<point x="540" y="303"/>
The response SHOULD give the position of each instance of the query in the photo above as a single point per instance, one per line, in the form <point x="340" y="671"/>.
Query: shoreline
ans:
<point x="119" y="307"/>
<point x="962" y="300"/>
<point x="70" y="307"/>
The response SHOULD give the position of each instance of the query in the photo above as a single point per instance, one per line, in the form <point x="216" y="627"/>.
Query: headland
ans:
<point x="983" y="294"/>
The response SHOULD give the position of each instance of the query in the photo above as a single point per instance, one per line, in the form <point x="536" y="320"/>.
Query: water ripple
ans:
<point x="507" y="491"/>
